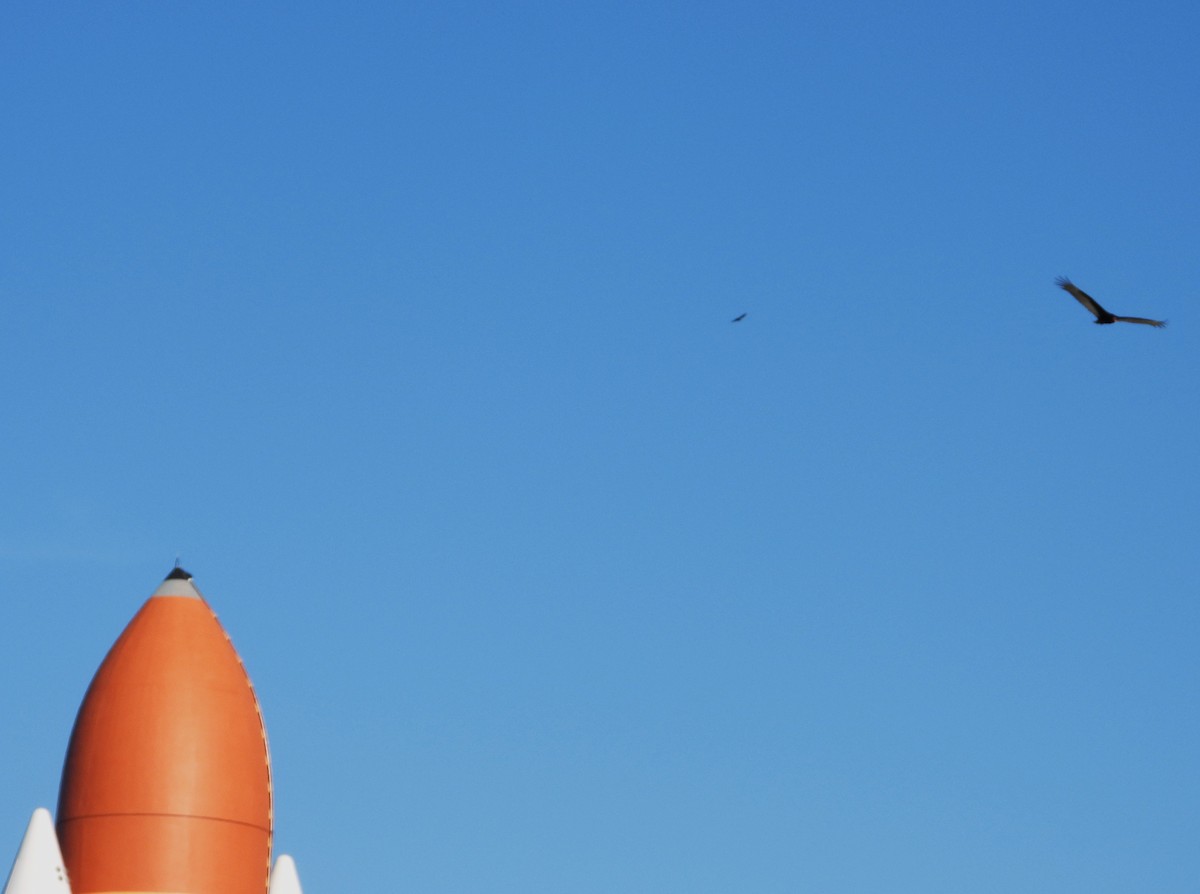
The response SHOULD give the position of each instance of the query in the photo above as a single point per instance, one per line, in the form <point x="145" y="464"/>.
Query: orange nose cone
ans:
<point x="167" y="786"/>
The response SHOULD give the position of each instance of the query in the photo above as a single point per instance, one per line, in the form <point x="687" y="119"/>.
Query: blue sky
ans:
<point x="408" y="330"/>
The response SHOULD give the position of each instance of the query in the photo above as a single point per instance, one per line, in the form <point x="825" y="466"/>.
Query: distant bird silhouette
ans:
<point x="1102" y="316"/>
<point x="738" y="318"/>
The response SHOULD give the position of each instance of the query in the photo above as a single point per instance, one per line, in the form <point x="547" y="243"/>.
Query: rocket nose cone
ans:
<point x="167" y="782"/>
<point x="178" y="573"/>
<point x="284" y="879"/>
<point x="38" y="868"/>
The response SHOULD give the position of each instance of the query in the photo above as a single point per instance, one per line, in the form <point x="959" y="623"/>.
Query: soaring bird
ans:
<point x="1102" y="316"/>
<point x="738" y="318"/>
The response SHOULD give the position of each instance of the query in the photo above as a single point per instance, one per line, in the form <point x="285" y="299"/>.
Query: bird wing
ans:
<point x="1081" y="296"/>
<point x="738" y="318"/>
<point x="1156" y="323"/>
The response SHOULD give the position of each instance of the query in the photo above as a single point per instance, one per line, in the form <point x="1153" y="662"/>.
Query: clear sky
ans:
<point x="407" y="327"/>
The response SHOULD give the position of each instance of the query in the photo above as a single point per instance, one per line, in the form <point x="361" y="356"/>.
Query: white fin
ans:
<point x="283" y="877"/>
<point x="39" y="868"/>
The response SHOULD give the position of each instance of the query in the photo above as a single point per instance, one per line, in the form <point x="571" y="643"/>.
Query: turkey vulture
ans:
<point x="1102" y="316"/>
<point x="738" y="318"/>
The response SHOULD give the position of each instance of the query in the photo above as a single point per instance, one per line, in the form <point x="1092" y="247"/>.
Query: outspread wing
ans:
<point x="1081" y="296"/>
<point x="1157" y="323"/>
